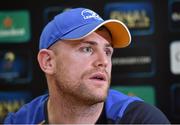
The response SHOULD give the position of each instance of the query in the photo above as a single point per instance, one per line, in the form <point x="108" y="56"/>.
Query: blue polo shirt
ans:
<point x="119" y="108"/>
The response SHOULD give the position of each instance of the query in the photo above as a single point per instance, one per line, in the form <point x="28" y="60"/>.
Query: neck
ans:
<point x="67" y="110"/>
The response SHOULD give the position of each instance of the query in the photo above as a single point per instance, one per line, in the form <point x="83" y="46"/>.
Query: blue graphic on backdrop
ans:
<point x="15" y="67"/>
<point x="137" y="16"/>
<point x="11" y="102"/>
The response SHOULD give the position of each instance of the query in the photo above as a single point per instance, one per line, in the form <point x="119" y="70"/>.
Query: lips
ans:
<point x="99" y="76"/>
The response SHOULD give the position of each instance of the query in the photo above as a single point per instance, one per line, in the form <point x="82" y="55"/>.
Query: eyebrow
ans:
<point x="95" y="43"/>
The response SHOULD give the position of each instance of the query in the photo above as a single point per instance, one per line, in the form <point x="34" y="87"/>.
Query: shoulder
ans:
<point x="121" y="108"/>
<point x="116" y="104"/>
<point x="141" y="112"/>
<point x="27" y="113"/>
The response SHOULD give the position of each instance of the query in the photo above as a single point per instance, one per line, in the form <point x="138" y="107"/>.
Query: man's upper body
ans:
<point x="75" y="54"/>
<point x="118" y="109"/>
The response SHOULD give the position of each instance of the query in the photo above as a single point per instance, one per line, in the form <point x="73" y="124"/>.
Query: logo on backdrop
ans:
<point x="14" y="26"/>
<point x="147" y="93"/>
<point x="174" y="15"/>
<point x="175" y="57"/>
<point x="137" y="16"/>
<point x="15" y="66"/>
<point x="131" y="62"/>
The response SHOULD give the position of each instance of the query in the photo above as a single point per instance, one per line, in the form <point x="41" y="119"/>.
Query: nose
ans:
<point x="101" y="60"/>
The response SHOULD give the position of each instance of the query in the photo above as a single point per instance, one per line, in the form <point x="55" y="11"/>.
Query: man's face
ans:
<point x="83" y="67"/>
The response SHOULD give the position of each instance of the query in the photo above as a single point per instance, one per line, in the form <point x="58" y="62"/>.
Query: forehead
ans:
<point x="96" y="36"/>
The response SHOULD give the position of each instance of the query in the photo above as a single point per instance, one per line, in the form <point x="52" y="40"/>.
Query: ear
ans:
<point x="46" y="61"/>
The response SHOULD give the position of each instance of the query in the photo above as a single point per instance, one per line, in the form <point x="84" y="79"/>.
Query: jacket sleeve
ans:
<point x="143" y="113"/>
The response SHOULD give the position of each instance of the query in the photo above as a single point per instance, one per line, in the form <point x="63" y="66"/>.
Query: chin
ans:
<point x="92" y="94"/>
<point x="98" y="97"/>
<point x="95" y="101"/>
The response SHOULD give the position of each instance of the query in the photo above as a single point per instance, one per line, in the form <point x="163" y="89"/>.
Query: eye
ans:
<point x="87" y="49"/>
<point x="108" y="52"/>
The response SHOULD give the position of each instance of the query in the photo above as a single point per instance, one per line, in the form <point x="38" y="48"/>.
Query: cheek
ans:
<point x="109" y="68"/>
<point x="74" y="66"/>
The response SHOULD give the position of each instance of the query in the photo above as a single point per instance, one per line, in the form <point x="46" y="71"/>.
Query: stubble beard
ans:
<point x="79" y="91"/>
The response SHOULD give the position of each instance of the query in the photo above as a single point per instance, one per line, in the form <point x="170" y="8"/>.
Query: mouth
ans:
<point x="99" y="77"/>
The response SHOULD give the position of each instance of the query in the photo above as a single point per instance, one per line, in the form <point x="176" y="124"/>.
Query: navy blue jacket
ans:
<point x="119" y="108"/>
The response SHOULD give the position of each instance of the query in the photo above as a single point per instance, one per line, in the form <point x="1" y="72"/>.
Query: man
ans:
<point x="75" y="53"/>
